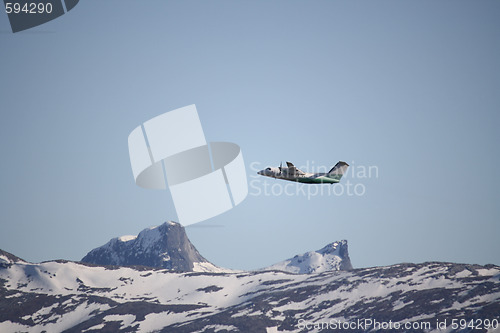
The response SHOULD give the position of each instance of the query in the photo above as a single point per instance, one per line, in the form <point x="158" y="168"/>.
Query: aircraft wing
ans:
<point x="292" y="170"/>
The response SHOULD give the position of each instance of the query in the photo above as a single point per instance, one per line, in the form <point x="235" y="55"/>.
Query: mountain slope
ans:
<point x="7" y="259"/>
<point x="333" y="257"/>
<point x="73" y="297"/>
<point x="166" y="246"/>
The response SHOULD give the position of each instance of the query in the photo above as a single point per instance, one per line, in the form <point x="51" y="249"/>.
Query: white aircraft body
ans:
<point x="291" y="173"/>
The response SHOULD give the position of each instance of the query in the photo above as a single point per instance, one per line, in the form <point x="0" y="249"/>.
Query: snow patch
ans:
<point x="488" y="272"/>
<point x="463" y="274"/>
<point x="93" y="328"/>
<point x="4" y="260"/>
<point x="400" y="304"/>
<point x="126" y="319"/>
<point x="210" y="268"/>
<point x="126" y="238"/>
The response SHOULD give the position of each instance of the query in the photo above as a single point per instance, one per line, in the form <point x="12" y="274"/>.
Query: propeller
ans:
<point x="281" y="164"/>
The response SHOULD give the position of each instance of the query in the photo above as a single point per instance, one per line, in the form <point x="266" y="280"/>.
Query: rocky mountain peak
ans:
<point x="165" y="246"/>
<point x="332" y="257"/>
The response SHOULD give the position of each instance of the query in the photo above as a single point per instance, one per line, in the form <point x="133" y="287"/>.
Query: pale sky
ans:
<point x="410" y="89"/>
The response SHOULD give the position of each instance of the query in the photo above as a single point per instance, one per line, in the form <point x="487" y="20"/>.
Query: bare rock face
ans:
<point x="166" y="246"/>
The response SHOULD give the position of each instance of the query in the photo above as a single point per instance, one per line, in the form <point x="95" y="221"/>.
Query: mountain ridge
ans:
<point x="56" y="296"/>
<point x="73" y="297"/>
<point x="165" y="246"/>
<point x="332" y="257"/>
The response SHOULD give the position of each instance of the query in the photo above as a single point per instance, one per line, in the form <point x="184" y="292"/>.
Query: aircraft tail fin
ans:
<point x="338" y="170"/>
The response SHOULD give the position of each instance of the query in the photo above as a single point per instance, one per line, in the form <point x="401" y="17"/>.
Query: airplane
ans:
<point x="293" y="174"/>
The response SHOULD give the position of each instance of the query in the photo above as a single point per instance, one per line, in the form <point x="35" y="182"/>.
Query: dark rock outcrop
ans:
<point x="165" y="246"/>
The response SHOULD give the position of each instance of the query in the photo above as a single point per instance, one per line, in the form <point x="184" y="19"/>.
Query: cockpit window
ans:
<point x="269" y="169"/>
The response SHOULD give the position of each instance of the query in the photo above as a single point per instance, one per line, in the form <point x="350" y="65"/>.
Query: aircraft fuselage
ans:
<point x="295" y="175"/>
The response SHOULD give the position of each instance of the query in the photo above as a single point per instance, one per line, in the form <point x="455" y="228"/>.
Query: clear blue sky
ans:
<point x="411" y="88"/>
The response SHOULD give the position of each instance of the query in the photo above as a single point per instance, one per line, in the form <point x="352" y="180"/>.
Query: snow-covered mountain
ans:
<point x="64" y="296"/>
<point x="333" y="257"/>
<point x="74" y="297"/>
<point x="165" y="246"/>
